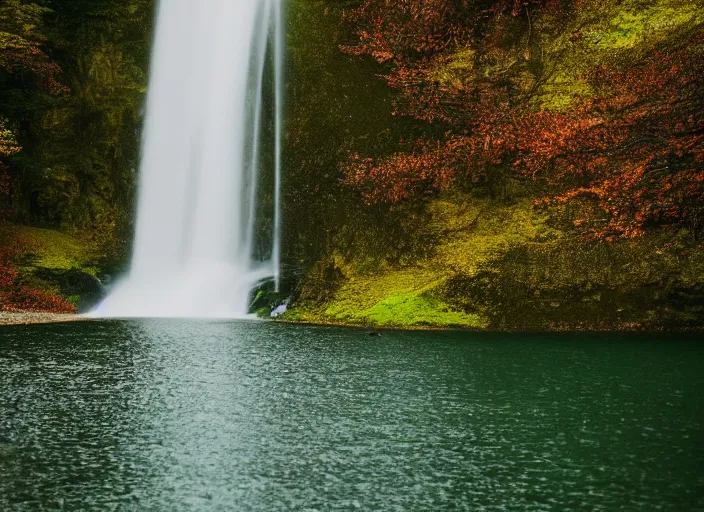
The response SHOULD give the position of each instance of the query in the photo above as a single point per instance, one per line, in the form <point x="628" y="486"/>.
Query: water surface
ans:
<point x="188" y="415"/>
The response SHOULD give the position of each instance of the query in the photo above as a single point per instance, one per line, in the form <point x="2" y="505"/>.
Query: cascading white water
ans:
<point x="194" y="241"/>
<point x="279" y="92"/>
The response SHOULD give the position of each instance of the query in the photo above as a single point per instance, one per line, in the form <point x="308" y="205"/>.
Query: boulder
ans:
<point x="75" y="283"/>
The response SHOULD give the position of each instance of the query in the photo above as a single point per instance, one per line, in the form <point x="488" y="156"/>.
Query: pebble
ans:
<point x="28" y="317"/>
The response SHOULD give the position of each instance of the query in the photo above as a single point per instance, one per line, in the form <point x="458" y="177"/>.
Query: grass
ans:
<point x="397" y="298"/>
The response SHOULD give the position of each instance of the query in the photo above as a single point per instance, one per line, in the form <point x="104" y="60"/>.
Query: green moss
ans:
<point x="263" y="312"/>
<point x="499" y="266"/>
<point x="563" y="91"/>
<point x="51" y="249"/>
<point x="408" y="309"/>
<point x="453" y="69"/>
<point x="560" y="52"/>
<point x="609" y="33"/>
<point x="630" y="27"/>
<point x="471" y="232"/>
<point x="401" y="310"/>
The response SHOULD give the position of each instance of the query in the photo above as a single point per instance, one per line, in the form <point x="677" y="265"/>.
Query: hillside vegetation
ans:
<point x="486" y="164"/>
<point x="550" y="174"/>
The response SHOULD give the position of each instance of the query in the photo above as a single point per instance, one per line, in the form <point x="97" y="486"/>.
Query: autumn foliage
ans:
<point x="631" y="147"/>
<point x="23" y="56"/>
<point x="16" y="296"/>
<point x="21" y="45"/>
<point x="27" y="299"/>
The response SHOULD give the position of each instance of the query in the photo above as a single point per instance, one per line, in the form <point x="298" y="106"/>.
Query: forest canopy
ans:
<point x="72" y="84"/>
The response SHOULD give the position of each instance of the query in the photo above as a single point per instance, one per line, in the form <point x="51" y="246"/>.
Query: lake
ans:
<point x="244" y="415"/>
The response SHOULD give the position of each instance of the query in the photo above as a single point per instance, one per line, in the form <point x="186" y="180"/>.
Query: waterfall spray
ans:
<point x="201" y="162"/>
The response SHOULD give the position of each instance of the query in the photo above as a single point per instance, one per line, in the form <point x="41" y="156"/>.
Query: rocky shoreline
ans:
<point x="28" y="317"/>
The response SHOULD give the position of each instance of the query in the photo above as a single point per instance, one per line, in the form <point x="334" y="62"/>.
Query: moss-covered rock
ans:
<point x="511" y="267"/>
<point x="266" y="299"/>
<point x="82" y="289"/>
<point x="51" y="249"/>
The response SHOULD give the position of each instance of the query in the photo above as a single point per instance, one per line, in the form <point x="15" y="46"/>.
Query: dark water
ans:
<point x="170" y="415"/>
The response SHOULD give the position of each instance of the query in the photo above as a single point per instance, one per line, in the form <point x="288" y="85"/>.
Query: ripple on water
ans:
<point x="171" y="415"/>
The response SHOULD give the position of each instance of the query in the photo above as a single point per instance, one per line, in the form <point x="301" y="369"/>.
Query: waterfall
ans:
<point x="194" y="247"/>
<point x="279" y="87"/>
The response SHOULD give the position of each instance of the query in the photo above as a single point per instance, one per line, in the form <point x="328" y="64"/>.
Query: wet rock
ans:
<point x="265" y="301"/>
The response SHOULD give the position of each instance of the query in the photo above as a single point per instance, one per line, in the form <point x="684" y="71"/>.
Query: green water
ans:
<point x="176" y="415"/>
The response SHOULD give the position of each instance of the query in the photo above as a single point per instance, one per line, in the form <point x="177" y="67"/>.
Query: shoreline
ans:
<point x="585" y="329"/>
<point x="32" y="318"/>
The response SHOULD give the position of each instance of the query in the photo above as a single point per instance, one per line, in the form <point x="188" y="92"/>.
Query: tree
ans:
<point x="21" y="44"/>
<point x="621" y="133"/>
<point x="77" y="169"/>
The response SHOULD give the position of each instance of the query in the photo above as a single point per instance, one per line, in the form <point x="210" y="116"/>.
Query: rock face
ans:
<point x="75" y="283"/>
<point x="510" y="268"/>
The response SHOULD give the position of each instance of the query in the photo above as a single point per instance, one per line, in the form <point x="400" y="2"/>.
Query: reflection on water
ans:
<point x="188" y="415"/>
